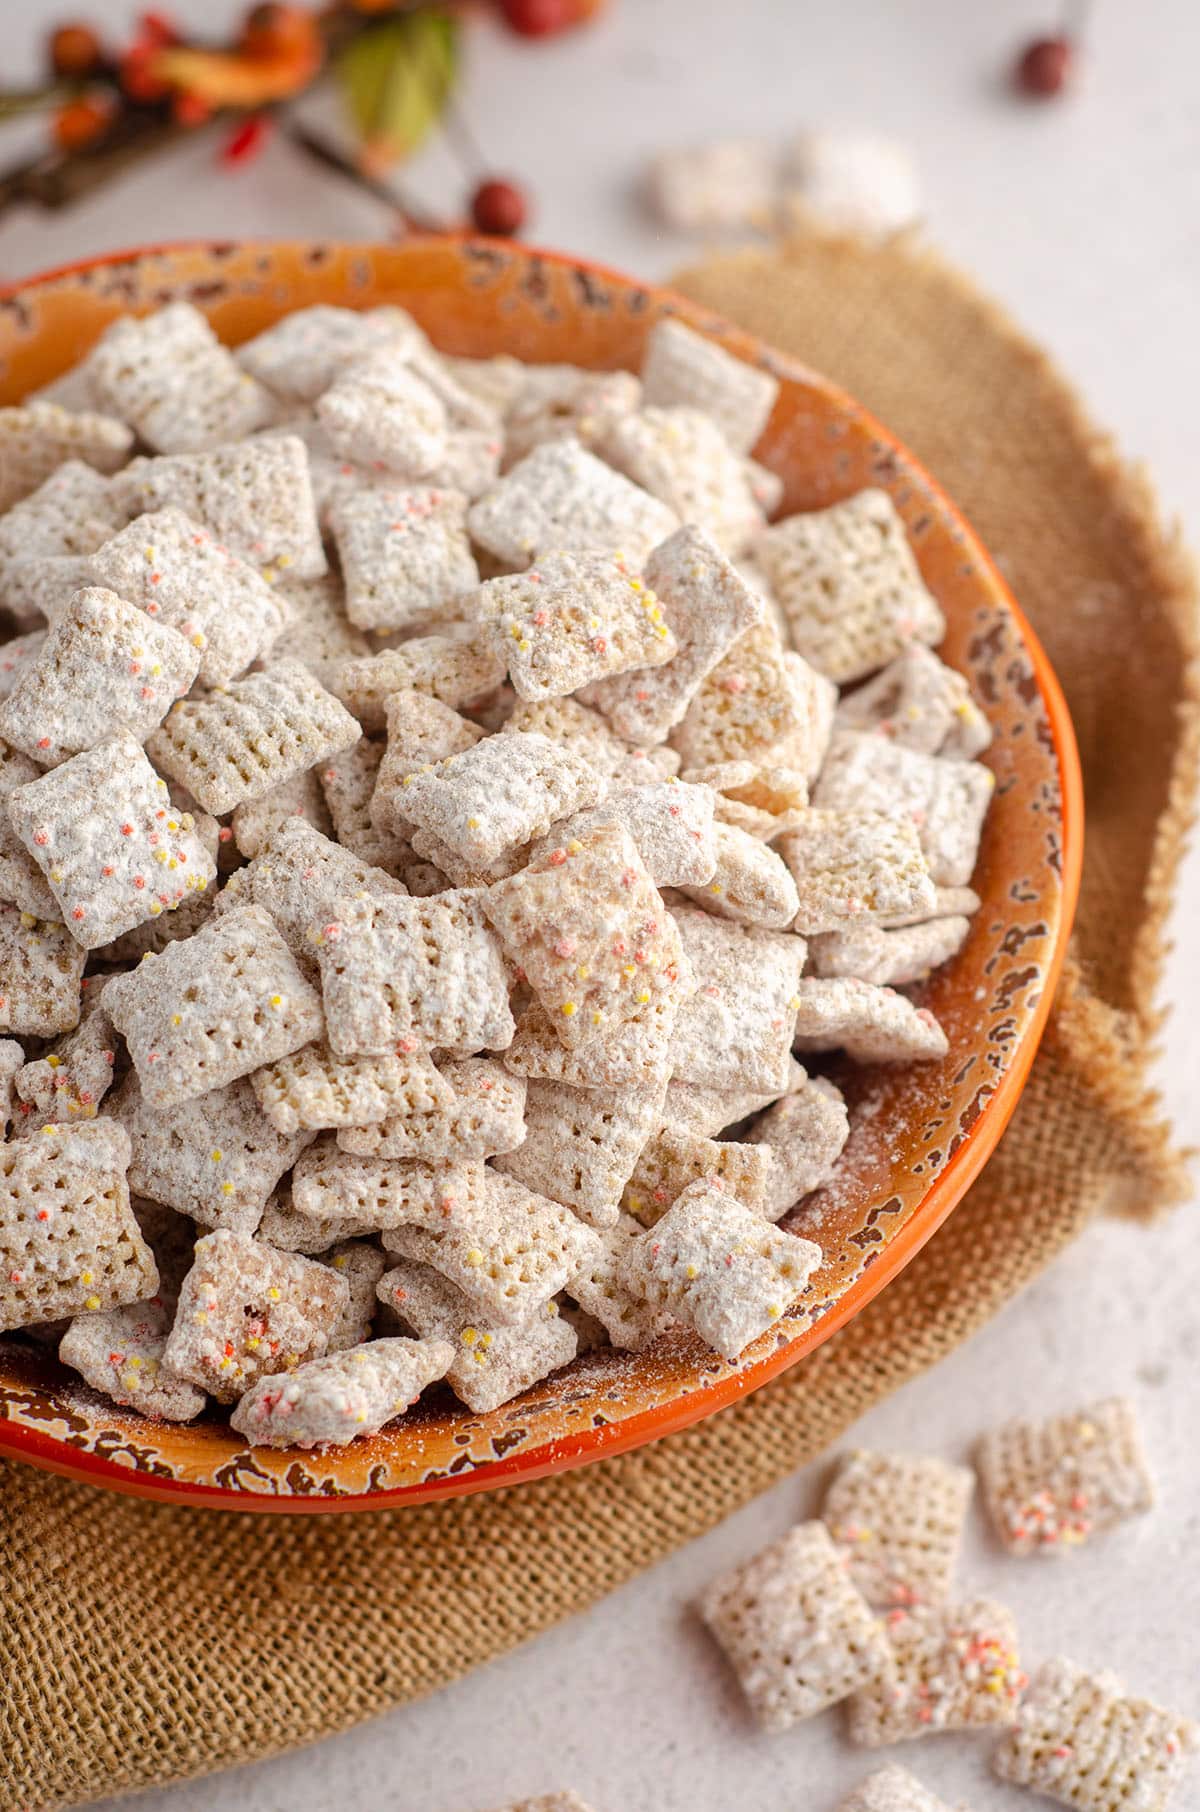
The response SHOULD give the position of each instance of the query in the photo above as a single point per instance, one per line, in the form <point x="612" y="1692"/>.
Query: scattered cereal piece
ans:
<point x="949" y="1667"/>
<point x="681" y="456"/>
<point x="1050" y="1486"/>
<point x="728" y="184"/>
<point x="571" y="619"/>
<point x="237" y="743"/>
<point x="480" y="1114"/>
<point x="313" y="1088"/>
<point x="946" y="800"/>
<point x="920" y="703"/>
<point x="735" y="1031"/>
<point x="850" y="866"/>
<point x="170" y="378"/>
<point x="719" y="1267"/>
<point x="213" y="1008"/>
<point x="360" y="1266"/>
<point x="41" y="968"/>
<point x="248" y="1312"/>
<point x="37" y="438"/>
<point x="396" y="969"/>
<point x="496" y="795"/>
<point x="175" y="572"/>
<point x="872" y="1025"/>
<point x="674" y="1159"/>
<point x="803" y="1134"/>
<point x="852" y="183"/>
<point x="1083" y="1740"/>
<point x="749" y="883"/>
<point x="301" y="355"/>
<point x="562" y="499"/>
<point x="449" y="668"/>
<point x="898" y="1519"/>
<point x="104" y="832"/>
<point x="681" y="368"/>
<point x="105" y="667"/>
<point x="795" y="1631"/>
<point x="255" y="496"/>
<point x="405" y="556"/>
<point x="492" y="1363"/>
<point x="581" y="1145"/>
<point x="68" y="1240"/>
<point x="119" y="1353"/>
<point x="849" y="585"/>
<point x="892" y="1789"/>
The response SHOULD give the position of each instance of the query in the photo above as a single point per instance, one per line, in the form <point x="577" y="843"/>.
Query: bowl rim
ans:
<point x="21" y="1441"/>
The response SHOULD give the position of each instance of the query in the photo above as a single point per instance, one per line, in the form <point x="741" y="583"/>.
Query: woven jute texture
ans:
<point x="141" y="1644"/>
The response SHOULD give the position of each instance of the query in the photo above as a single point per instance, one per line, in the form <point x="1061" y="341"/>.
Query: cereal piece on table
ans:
<point x="330" y="1184"/>
<point x="71" y="1080"/>
<point x="581" y="1145"/>
<point x="849" y="585"/>
<point x="719" y="1267"/>
<point x="1082" y="1739"/>
<point x="319" y="634"/>
<point x="849" y="184"/>
<point x="872" y="1025"/>
<point x="105" y="667"/>
<point x="749" y="706"/>
<point x="492" y="1364"/>
<point x="562" y="499"/>
<point x="630" y="1323"/>
<point x="256" y="821"/>
<point x="558" y="402"/>
<point x="36" y="439"/>
<point x="12" y="1060"/>
<point x="331" y="1400"/>
<point x="850" y="866"/>
<point x="41" y="968"/>
<point x="1051" y="1485"/>
<point x="671" y="825"/>
<point x="459" y="672"/>
<point x="247" y="1311"/>
<point x="681" y="367"/>
<point x="635" y="1051"/>
<point x="707" y="606"/>
<point x="213" y="1008"/>
<point x="176" y="572"/>
<point x="405" y="556"/>
<point x="420" y="731"/>
<point x="255" y="496"/>
<point x="482" y="1116"/>
<point x="348" y="781"/>
<point x="919" y="703"/>
<point x="572" y="619"/>
<point x="948" y="1667"/>
<point x="763" y="801"/>
<point x="735" y="1031"/>
<point x="674" y="1159"/>
<point x="214" y="1158"/>
<point x="119" y="1353"/>
<point x="793" y="1628"/>
<point x="727" y="184"/>
<point x="514" y="1253"/>
<point x="898" y="1519"/>
<point x="71" y="514"/>
<point x="496" y="795"/>
<point x="296" y="876"/>
<point x="305" y="352"/>
<point x="396" y="969"/>
<point x="803" y="1135"/>
<point x="892" y="1789"/>
<point x="891" y="958"/>
<point x="21" y="880"/>
<point x="576" y="726"/>
<point x="749" y="883"/>
<point x="948" y="902"/>
<point x="681" y="456"/>
<point x="237" y="743"/>
<point x="17" y="655"/>
<point x="170" y="378"/>
<point x="68" y="1240"/>
<point x="378" y="410"/>
<point x="360" y="1266"/>
<point x="104" y="831"/>
<point x="947" y="800"/>
<point x="589" y="929"/>
<point x="313" y="1088"/>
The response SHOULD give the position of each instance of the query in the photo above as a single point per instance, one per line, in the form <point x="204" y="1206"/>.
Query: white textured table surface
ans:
<point x="1082" y="218"/>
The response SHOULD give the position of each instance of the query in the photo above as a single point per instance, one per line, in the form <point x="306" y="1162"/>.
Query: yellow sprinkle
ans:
<point x="135" y="1362"/>
<point x="715" y="888"/>
<point x="582" y="973"/>
<point x="85" y="1277"/>
<point x="629" y="970"/>
<point x="215" y="1154"/>
<point x="690" y="1272"/>
<point x="93" y="1302"/>
<point x="341" y="1261"/>
<point x="475" y="1256"/>
<point x="472" y="824"/>
<point x="273" y="1293"/>
<point x="54" y="1062"/>
<point x="574" y="846"/>
<point x="642" y="998"/>
<point x="253" y="1343"/>
<point x="201" y="1316"/>
<point x="226" y="1188"/>
<point x="470" y="1336"/>
<point x="276" y="1000"/>
<point x="568" y="1008"/>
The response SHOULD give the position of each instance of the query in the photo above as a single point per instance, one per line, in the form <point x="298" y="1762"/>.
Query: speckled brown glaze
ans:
<point x="919" y="1135"/>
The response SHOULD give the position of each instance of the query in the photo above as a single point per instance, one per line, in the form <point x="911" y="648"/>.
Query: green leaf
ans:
<point x="396" y="79"/>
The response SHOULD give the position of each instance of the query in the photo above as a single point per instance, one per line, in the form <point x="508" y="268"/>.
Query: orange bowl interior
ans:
<point x="919" y="1134"/>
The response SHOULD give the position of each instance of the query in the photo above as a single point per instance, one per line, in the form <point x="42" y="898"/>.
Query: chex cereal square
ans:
<point x="495" y="796"/>
<point x="379" y="411"/>
<point x="21" y="879"/>
<point x="119" y="1353"/>
<point x="892" y="1789"/>
<point x="319" y="633"/>
<point x="719" y="1267"/>
<point x="41" y="968"/>
<point x="683" y="368"/>
<point x="898" y="1519"/>
<point x="421" y="731"/>
<point x="599" y="1289"/>
<point x="749" y="706"/>
<point x="562" y="499"/>
<point x="675" y="1158"/>
<point x="360" y="1266"/>
<point x="405" y="555"/>
<point x="671" y="825"/>
<point x="571" y="619"/>
<point x="37" y="438"/>
<point x="348" y="781"/>
<point x="681" y="456"/>
<point x="946" y="800"/>
<point x="315" y="1088"/>
<point x="919" y="702"/>
<point x="581" y="1145"/>
<point x="948" y="1667"/>
<point x="749" y="882"/>
<point x="457" y="671"/>
<point x="872" y="1025"/>
<point x="479" y="1114"/>
<point x="169" y="377"/>
<point x="332" y="1184"/>
<point x="850" y="866"/>
<point x="631" y="1052"/>
<point x="71" y="1080"/>
<point x="332" y="1399"/>
<point x="891" y="958"/>
<point x="802" y="1135"/>
<point x="212" y="1008"/>
<point x="301" y="355"/>
<point x="108" y="839"/>
<point x="795" y="1631"/>
<point x="1051" y="1485"/>
<point x="736" y="1030"/>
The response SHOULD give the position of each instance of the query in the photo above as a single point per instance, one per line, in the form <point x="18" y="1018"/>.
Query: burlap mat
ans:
<point x="140" y="1644"/>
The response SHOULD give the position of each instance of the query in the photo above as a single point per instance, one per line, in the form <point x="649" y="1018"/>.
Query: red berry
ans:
<point x="80" y="123"/>
<point x="499" y="208"/>
<point x="137" y="75"/>
<point x="74" y="50"/>
<point x="539" y="18"/>
<point x="1045" y="66"/>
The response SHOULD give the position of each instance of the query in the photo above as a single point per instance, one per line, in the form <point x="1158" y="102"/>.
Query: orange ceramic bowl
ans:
<point x="919" y="1134"/>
